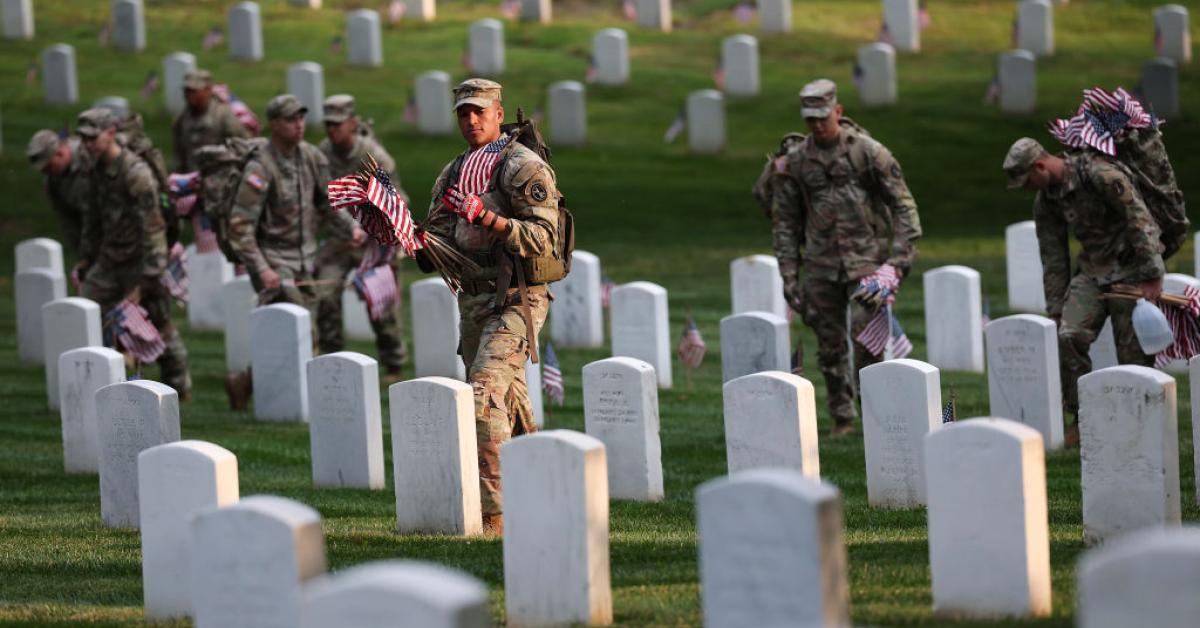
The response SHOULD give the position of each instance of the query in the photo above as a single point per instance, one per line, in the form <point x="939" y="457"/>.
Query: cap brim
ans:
<point x="336" y="118"/>
<point x="821" y="112"/>
<point x="478" y="102"/>
<point x="39" y="163"/>
<point x="87" y="131"/>
<point x="1017" y="181"/>
<point x="282" y="115"/>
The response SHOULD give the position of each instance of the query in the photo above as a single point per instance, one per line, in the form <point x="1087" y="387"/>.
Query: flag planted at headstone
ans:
<point x="335" y="46"/>
<point x="31" y="73"/>
<point x="175" y="279"/>
<point x="377" y="287"/>
<point x="857" y="77"/>
<point x="202" y="230"/>
<point x="510" y="8"/>
<point x="552" y="377"/>
<point x="151" y="84"/>
<point x="213" y="38"/>
<point x="678" y="125"/>
<point x="719" y="73"/>
<point x="1185" y="325"/>
<point x="950" y="410"/>
<point x="606" y="289"/>
<point x="992" y="95"/>
<point x="691" y="346"/>
<point x="410" y="110"/>
<point x="629" y="8"/>
<point x="923" y="18"/>
<point x="105" y="35"/>
<point x="130" y="329"/>
<point x="883" y="336"/>
<point x="743" y="12"/>
<point x="592" y="71"/>
<point x="396" y="10"/>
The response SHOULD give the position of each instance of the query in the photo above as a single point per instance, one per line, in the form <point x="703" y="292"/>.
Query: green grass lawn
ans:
<point x="648" y="209"/>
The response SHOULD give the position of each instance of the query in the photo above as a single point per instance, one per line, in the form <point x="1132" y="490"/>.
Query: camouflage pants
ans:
<point x="334" y="262"/>
<point x="1082" y="320"/>
<point x="288" y="292"/>
<point x="108" y="286"/>
<point x="494" y="350"/>
<point x="825" y="312"/>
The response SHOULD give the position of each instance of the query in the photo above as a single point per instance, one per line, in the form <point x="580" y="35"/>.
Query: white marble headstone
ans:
<point x="1171" y="31"/>
<point x="39" y="253"/>
<point x="739" y="59"/>
<point x="1035" y="27"/>
<point x="18" y="19"/>
<point x="1023" y="261"/>
<point x="771" y="551"/>
<point x="1018" y="81"/>
<point x="35" y="288"/>
<point x="396" y="592"/>
<point x="238" y="300"/>
<point x="175" y="482"/>
<point x="1023" y="374"/>
<point x="775" y="16"/>
<point x="706" y="121"/>
<point x="954" y="318"/>
<point x="486" y="47"/>
<point x="175" y="65"/>
<point x="130" y="417"/>
<point x="118" y="105"/>
<point x="610" y="52"/>
<point x="250" y="561"/>
<point x="280" y="347"/>
<point x="434" y="457"/>
<point x="771" y="421"/>
<point x="68" y="323"/>
<point x="435" y="330"/>
<point x="59" y="80"/>
<point x="128" y="25"/>
<point x="989" y="535"/>
<point x="434" y="102"/>
<point x="620" y="409"/>
<point x="752" y="343"/>
<point x="568" y="114"/>
<point x="556" y="566"/>
<point x="901" y="404"/>
<point x="1176" y="283"/>
<point x="877" y="86"/>
<point x="345" y="429"/>
<point x="356" y="320"/>
<point x="756" y="285"/>
<point x="1147" y="578"/>
<point x="207" y="272"/>
<point x="577" y="313"/>
<point x="536" y="11"/>
<point x="655" y="14"/>
<point x="245" y="32"/>
<point x="639" y="326"/>
<point x="364" y="37"/>
<point x="1129" y="451"/>
<point x="306" y="81"/>
<point x="902" y="24"/>
<point x="81" y="372"/>
<point x="423" y="10"/>
<point x="1194" y="392"/>
<point x="1160" y="86"/>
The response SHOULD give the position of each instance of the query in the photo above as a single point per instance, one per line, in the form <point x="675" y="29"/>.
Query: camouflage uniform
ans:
<point x="840" y="213"/>
<point x="70" y="191"/>
<point x="275" y="216"/>
<point x="338" y="255"/>
<point x="493" y="339"/>
<point x="125" y="247"/>
<point x="191" y="131"/>
<point x="1099" y="202"/>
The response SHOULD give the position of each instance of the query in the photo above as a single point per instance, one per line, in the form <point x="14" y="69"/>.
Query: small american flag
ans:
<point x="992" y="95"/>
<point x="396" y="11"/>
<point x="677" y="127"/>
<point x="1158" y="40"/>
<point x="377" y="206"/>
<point x="592" y="71"/>
<point x="950" y="410"/>
<point x="606" y="290"/>
<point x="744" y="12"/>
<point x="77" y="280"/>
<point x="181" y="183"/>
<point x="476" y="172"/>
<point x="923" y="18"/>
<point x="883" y="336"/>
<point x="719" y="74"/>
<point x="987" y="313"/>
<point x="133" y="332"/>
<point x="629" y="8"/>
<point x="105" y="35"/>
<point x="552" y="377"/>
<point x="410" y="110"/>
<point x="335" y="46"/>
<point x="151" y="84"/>
<point x="31" y="72"/>
<point x="1016" y="32"/>
<point x="175" y="279"/>
<point x="213" y="38"/>
<point x="509" y="8"/>
<point x="466" y="59"/>
<point x="691" y="346"/>
<point x="202" y="230"/>
<point x="377" y="287"/>
<point x="1186" y="327"/>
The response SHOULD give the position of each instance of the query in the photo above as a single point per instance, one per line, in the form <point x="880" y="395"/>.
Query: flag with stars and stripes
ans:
<point x="31" y="72"/>
<point x="719" y="74"/>
<point x="373" y="201"/>
<point x="127" y="324"/>
<point x="629" y="8"/>
<point x="213" y="38"/>
<point x="691" y="346"/>
<point x="1101" y="117"/>
<point x="677" y="126"/>
<point x="923" y="18"/>
<point x="476" y="171"/>
<point x="1185" y="324"/>
<point x="510" y="8"/>
<point x="592" y="71"/>
<point x="950" y="410"/>
<point x="202" y="230"/>
<point x="240" y="110"/>
<point x="175" y="279"/>
<point x="857" y="76"/>
<point x="151" y="84"/>
<point x="552" y="377"/>
<point x="884" y="338"/>
<point x="606" y="290"/>
<point x="377" y="287"/>
<point x="410" y="110"/>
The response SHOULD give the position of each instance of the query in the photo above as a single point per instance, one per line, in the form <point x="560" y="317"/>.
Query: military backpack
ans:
<point x="132" y="135"/>
<point x="221" y="168"/>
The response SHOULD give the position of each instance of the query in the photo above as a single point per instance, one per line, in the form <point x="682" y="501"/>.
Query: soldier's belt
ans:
<point x="478" y="287"/>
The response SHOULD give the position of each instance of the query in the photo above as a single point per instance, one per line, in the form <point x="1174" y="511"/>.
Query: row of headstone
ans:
<point x="128" y="25"/>
<point x="902" y="25"/>
<point x="654" y="14"/>
<point x="1035" y="27"/>
<point x="706" y="121"/>
<point x="739" y="64"/>
<point x="245" y="32"/>
<point x="67" y="323"/>
<point x="1016" y="75"/>
<point x="1024" y="382"/>
<point x="39" y="280"/>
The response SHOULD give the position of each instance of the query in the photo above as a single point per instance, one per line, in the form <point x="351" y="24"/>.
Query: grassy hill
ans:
<point x="650" y="211"/>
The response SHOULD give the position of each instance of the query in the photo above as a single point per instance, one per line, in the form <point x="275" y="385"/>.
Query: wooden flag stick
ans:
<point x="1132" y="293"/>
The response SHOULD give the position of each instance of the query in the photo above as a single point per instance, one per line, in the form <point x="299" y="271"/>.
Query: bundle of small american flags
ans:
<point x="1100" y="119"/>
<point x="240" y="110"/>
<point x="1185" y="323"/>
<point x="373" y="201"/>
<point x="133" y="332"/>
<point x="376" y="282"/>
<point x="552" y="377"/>
<point x="691" y="348"/>
<point x="883" y="336"/>
<point x="175" y="279"/>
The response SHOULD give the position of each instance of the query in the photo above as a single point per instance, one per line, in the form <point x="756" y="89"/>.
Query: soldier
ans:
<point x="124" y="242"/>
<point x="204" y="122"/>
<point x="498" y="203"/>
<point x="1094" y="196"/>
<point x="347" y="144"/>
<point x="67" y="167"/>
<point x="842" y="211"/>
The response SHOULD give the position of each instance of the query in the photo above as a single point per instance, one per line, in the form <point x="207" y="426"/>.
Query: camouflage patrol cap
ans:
<point x="339" y="108"/>
<point x="42" y="147"/>
<point x="818" y="98"/>
<point x="284" y="106"/>
<point x="478" y="92"/>
<point x="1021" y="156"/>
<point x="197" y="79"/>
<point x="95" y="121"/>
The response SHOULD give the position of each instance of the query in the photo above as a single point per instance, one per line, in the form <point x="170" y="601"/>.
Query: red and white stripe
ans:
<point x="1186" y="327"/>
<point x="476" y="172"/>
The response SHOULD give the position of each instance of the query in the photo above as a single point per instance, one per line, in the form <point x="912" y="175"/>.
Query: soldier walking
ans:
<point x="123" y="250"/>
<point x="67" y="168"/>
<point x="347" y="143"/>
<point x="842" y="212"/>
<point x="204" y="122"/>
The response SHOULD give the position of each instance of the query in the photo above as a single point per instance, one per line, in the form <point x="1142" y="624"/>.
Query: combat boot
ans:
<point x="1071" y="438"/>
<point x="393" y="375"/>
<point x="238" y="386"/>
<point x="493" y="524"/>
<point x="842" y="428"/>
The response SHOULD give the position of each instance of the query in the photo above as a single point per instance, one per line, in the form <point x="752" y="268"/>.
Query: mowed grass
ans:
<point x="648" y="209"/>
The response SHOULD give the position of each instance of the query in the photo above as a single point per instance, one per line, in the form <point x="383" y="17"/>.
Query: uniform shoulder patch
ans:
<point x="537" y="191"/>
<point x="255" y="181"/>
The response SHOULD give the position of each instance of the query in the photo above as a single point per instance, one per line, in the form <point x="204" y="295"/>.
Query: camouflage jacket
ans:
<point x="1100" y="203"/>
<point x="524" y="190"/>
<point x="279" y="204"/>
<point x="841" y="212"/>
<point x="124" y="227"/>
<point x="341" y="165"/>
<point x="71" y="193"/>
<point x="190" y="132"/>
